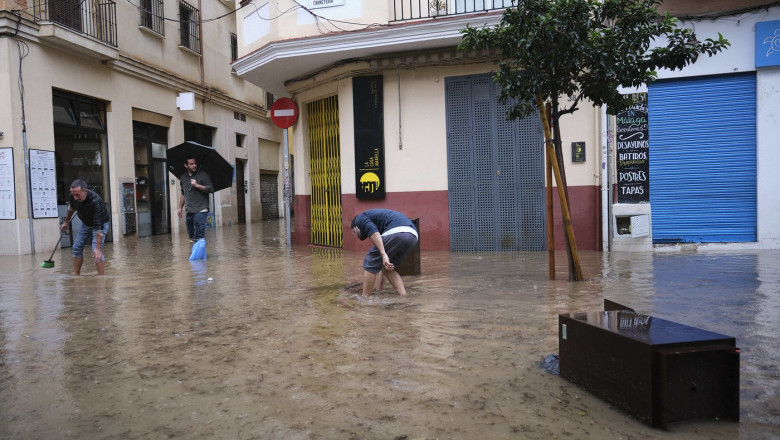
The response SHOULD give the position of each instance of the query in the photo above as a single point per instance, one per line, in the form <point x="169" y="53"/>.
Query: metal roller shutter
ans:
<point x="703" y="159"/>
<point x="496" y="172"/>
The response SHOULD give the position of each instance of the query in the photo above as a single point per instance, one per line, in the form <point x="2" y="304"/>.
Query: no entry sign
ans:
<point x="284" y="113"/>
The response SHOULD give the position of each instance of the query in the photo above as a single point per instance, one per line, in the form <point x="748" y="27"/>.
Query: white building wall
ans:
<point x="740" y="57"/>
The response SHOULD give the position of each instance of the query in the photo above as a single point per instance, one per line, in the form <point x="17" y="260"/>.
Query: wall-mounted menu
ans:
<point x="43" y="182"/>
<point x="7" y="188"/>
<point x="633" y="180"/>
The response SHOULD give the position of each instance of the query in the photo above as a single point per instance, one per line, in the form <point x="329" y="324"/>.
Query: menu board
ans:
<point x="43" y="182"/>
<point x="633" y="180"/>
<point x="7" y="188"/>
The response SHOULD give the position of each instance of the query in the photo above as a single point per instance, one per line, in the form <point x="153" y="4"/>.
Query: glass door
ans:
<point x="161" y="222"/>
<point x="151" y="179"/>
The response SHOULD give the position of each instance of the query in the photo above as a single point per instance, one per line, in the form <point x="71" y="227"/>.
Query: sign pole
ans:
<point x="287" y="187"/>
<point x="284" y="113"/>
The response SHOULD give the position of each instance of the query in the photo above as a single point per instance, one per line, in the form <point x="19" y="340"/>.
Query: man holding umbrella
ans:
<point x="195" y="188"/>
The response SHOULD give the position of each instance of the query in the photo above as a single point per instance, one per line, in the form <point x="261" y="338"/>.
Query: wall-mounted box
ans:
<point x="632" y="227"/>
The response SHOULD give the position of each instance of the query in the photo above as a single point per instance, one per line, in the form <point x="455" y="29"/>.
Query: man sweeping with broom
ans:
<point x="95" y="221"/>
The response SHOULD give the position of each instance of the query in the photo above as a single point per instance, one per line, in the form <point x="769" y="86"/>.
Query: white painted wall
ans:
<point x="740" y="57"/>
<point x="416" y="149"/>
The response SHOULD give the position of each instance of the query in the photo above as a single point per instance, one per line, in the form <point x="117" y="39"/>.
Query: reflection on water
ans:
<point x="262" y="341"/>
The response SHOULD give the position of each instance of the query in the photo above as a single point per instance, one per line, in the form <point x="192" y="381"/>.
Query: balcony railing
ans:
<point x="420" y="9"/>
<point x="95" y="18"/>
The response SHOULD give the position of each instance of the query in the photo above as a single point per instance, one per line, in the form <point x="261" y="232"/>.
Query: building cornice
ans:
<point x="273" y="64"/>
<point x="137" y="69"/>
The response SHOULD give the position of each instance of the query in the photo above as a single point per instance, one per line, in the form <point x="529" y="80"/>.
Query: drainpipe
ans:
<point x="400" y="136"/>
<point x="200" y="41"/>
<point x="605" y="171"/>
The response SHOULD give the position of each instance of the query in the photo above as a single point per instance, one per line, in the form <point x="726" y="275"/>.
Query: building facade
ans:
<point x="392" y="115"/>
<point x="712" y="156"/>
<point x="100" y="91"/>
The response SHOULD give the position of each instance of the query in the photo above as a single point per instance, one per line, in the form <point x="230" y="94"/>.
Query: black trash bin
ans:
<point x="411" y="265"/>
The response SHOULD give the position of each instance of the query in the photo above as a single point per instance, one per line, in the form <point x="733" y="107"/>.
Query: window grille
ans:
<point x="233" y="47"/>
<point x="189" y="22"/>
<point x="152" y="15"/>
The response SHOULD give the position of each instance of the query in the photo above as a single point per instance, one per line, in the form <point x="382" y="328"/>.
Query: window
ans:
<point x="269" y="100"/>
<point x="240" y="140"/>
<point x="233" y="47"/>
<point x="238" y="116"/>
<point x="189" y="22"/>
<point x="152" y="15"/>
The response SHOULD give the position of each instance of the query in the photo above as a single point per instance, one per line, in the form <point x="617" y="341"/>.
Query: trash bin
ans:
<point x="411" y="265"/>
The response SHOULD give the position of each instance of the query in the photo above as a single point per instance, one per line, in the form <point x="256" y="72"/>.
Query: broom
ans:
<point x="48" y="264"/>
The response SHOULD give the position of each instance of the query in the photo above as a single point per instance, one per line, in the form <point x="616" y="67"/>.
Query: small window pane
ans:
<point x="63" y="112"/>
<point x="159" y="150"/>
<point x="90" y="115"/>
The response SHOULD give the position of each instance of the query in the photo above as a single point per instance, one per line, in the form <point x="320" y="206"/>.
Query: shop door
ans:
<point x="325" y="172"/>
<point x="80" y="150"/>
<point x="151" y="179"/>
<point x="269" y="195"/>
<point x="240" y="193"/>
<point x="703" y="159"/>
<point x="495" y="171"/>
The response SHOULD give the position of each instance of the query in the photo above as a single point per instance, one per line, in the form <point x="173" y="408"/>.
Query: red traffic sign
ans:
<point x="284" y="113"/>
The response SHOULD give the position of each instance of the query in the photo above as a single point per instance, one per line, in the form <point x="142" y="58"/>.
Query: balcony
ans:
<point x="407" y="10"/>
<point x="84" y="26"/>
<point x="290" y="51"/>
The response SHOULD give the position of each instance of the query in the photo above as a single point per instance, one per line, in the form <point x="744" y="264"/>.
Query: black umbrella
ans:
<point x="220" y="170"/>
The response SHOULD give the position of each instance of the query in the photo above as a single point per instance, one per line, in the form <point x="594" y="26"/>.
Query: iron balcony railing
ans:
<point x="95" y="18"/>
<point x="419" y="9"/>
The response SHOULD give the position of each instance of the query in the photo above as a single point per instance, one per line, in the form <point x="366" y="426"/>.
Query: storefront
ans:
<point x="80" y="149"/>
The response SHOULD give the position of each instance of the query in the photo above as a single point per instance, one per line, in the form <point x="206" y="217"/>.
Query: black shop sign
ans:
<point x="633" y="180"/>
<point x="369" y="137"/>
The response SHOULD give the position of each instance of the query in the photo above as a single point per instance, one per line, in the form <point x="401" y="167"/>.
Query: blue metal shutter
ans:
<point x="703" y="159"/>
<point x="495" y="171"/>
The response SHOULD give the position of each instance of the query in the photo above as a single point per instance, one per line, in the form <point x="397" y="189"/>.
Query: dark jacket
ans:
<point x="92" y="211"/>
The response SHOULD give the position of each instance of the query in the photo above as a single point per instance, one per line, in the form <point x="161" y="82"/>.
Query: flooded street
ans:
<point x="262" y="342"/>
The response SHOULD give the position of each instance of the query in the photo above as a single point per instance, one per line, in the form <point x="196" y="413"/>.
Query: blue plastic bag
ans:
<point x="551" y="363"/>
<point x="198" y="250"/>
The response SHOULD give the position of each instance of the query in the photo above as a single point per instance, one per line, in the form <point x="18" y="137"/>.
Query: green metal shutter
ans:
<point x="703" y="159"/>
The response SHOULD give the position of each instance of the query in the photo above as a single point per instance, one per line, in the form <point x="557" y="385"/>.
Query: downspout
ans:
<point x="200" y="43"/>
<point x="400" y="137"/>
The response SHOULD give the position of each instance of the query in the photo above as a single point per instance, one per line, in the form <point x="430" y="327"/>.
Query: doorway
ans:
<point x="495" y="171"/>
<point x="269" y="195"/>
<point x="241" y="189"/>
<point x="325" y="162"/>
<point x="80" y="150"/>
<point x="150" y="143"/>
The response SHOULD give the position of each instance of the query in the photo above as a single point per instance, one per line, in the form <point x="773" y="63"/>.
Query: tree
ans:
<point x="563" y="52"/>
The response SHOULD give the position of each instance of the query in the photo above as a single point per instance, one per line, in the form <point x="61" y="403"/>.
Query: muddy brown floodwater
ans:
<point x="262" y="342"/>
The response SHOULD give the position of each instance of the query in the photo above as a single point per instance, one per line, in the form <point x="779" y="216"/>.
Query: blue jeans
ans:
<point x="196" y="225"/>
<point x="86" y="234"/>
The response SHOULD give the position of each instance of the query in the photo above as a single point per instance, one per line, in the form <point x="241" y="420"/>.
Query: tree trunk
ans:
<point x="559" y="155"/>
<point x="572" y="244"/>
